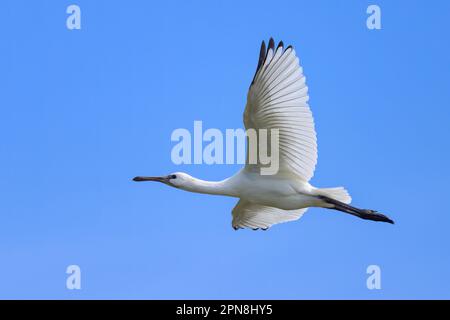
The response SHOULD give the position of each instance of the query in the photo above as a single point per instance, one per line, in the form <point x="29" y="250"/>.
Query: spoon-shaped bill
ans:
<point x="139" y="178"/>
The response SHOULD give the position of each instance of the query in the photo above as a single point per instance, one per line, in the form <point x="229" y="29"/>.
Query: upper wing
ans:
<point x="277" y="98"/>
<point x="255" y="216"/>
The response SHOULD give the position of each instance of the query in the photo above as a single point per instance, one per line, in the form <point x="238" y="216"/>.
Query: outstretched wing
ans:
<point x="255" y="216"/>
<point x="277" y="99"/>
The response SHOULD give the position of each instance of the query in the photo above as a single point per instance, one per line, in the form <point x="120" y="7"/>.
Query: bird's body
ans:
<point x="271" y="190"/>
<point x="277" y="100"/>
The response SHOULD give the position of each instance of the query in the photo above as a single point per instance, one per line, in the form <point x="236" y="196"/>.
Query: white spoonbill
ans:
<point x="277" y="99"/>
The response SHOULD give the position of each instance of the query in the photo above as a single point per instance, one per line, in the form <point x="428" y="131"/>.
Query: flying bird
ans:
<point x="277" y="99"/>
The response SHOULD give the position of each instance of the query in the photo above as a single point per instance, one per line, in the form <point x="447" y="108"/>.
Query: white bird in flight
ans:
<point x="277" y="99"/>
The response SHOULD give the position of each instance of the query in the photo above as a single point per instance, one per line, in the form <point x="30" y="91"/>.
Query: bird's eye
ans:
<point x="173" y="176"/>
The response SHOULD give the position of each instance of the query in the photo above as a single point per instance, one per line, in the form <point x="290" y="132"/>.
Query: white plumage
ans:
<point x="277" y="99"/>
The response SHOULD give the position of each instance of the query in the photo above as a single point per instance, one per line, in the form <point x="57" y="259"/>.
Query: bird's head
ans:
<point x="177" y="179"/>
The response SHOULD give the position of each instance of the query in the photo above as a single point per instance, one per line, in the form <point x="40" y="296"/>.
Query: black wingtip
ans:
<point x="271" y="44"/>
<point x="262" y="57"/>
<point x="280" y="45"/>
<point x="262" y="54"/>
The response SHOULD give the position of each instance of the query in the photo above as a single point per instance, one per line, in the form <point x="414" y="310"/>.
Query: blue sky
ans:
<point x="83" y="111"/>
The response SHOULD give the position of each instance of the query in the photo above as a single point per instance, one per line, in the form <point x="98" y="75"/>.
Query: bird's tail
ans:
<point x="338" y="193"/>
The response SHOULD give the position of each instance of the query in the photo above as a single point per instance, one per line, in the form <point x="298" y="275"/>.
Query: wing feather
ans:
<point x="278" y="99"/>
<point x="255" y="216"/>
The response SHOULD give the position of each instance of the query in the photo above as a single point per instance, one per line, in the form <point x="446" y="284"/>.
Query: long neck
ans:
<point x="223" y="187"/>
